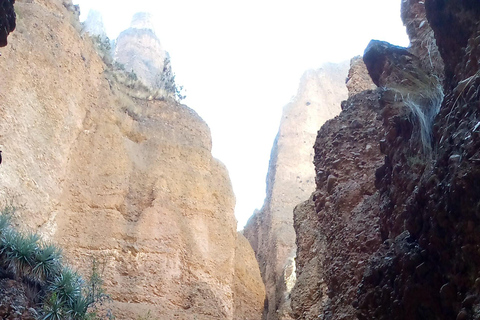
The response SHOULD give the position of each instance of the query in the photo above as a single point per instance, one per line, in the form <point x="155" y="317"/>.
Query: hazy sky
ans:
<point x="241" y="61"/>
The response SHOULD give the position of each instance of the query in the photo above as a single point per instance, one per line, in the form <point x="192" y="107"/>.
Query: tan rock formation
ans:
<point x="358" y="79"/>
<point x="129" y="181"/>
<point x="140" y="51"/>
<point x="142" y="20"/>
<point x="291" y="177"/>
<point x="249" y="289"/>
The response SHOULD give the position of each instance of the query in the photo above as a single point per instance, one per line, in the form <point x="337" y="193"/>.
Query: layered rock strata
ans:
<point x="129" y="182"/>
<point x="290" y="178"/>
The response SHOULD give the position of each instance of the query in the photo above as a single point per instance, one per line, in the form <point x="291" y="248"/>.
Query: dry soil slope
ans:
<point x="290" y="178"/>
<point x="131" y="182"/>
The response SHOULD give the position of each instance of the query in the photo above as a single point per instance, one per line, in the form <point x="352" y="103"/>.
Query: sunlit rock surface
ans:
<point x="291" y="177"/>
<point x="129" y="182"/>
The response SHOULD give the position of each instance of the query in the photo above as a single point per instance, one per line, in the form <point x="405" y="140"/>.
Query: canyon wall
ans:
<point x="391" y="230"/>
<point x="129" y="182"/>
<point x="336" y="228"/>
<point x="291" y="178"/>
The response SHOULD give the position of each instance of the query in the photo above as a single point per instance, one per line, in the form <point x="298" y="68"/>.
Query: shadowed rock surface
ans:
<point x="7" y="20"/>
<point x="336" y="228"/>
<point x="406" y="248"/>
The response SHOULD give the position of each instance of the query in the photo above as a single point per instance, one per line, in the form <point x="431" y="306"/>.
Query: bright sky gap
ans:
<point x="240" y="62"/>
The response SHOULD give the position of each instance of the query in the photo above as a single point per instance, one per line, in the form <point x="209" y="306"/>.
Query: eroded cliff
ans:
<point x="336" y="228"/>
<point x="391" y="231"/>
<point x="290" y="178"/>
<point x="127" y="181"/>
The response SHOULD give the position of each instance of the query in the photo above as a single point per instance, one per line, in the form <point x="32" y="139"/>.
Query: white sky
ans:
<point x="241" y="61"/>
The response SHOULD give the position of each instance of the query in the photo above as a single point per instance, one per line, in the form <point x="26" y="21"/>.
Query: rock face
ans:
<point x="140" y="51"/>
<point x="393" y="234"/>
<point x="422" y="39"/>
<point x="291" y="178"/>
<point x="130" y="182"/>
<point x="336" y="228"/>
<point x="7" y="20"/>
<point x="358" y="79"/>
<point x="249" y="293"/>
<point x="433" y="222"/>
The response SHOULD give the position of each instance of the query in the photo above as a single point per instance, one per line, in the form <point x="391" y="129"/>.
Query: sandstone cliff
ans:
<point x="291" y="178"/>
<point x="390" y="232"/>
<point x="129" y="181"/>
<point x="140" y="50"/>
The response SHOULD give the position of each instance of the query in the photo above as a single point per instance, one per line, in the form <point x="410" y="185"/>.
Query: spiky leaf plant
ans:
<point x="78" y="310"/>
<point x="21" y="252"/>
<point x="47" y="263"/>
<point x="53" y="308"/>
<point x="68" y="286"/>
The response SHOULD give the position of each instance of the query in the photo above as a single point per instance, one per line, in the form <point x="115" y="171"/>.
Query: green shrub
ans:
<point x="47" y="263"/>
<point x="167" y="81"/>
<point x="20" y="252"/>
<point x="60" y="291"/>
<point x="53" y="308"/>
<point x="67" y="285"/>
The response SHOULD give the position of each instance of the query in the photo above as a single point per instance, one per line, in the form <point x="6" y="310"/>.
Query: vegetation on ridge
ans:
<point x="165" y="84"/>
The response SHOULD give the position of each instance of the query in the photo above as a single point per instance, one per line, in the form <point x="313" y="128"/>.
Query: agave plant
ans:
<point x="20" y="253"/>
<point x="68" y="286"/>
<point x="53" y="308"/>
<point x="47" y="263"/>
<point x="78" y="310"/>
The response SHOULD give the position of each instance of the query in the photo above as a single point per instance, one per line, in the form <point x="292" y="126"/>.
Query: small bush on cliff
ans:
<point x="167" y="81"/>
<point x="57" y="290"/>
<point x="103" y="46"/>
